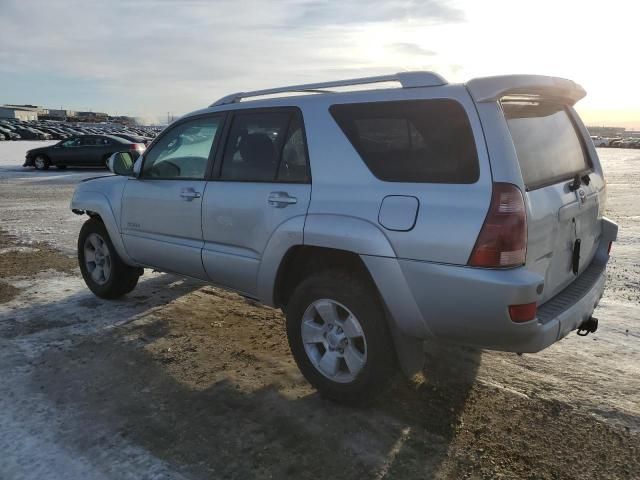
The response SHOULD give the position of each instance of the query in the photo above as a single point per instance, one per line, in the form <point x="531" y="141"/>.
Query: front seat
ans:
<point x="258" y="157"/>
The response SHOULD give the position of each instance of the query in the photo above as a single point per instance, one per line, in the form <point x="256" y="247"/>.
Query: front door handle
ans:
<point x="281" y="199"/>
<point x="189" y="194"/>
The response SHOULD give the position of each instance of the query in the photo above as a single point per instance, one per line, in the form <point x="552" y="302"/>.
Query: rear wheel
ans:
<point x="41" y="162"/>
<point x="103" y="271"/>
<point x="338" y="335"/>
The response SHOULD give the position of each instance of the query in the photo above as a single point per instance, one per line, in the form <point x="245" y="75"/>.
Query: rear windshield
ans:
<point x="547" y="144"/>
<point x="412" y="141"/>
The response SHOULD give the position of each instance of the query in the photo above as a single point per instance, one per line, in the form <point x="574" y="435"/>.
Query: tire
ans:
<point x="41" y="163"/>
<point x="116" y="278"/>
<point x="341" y="293"/>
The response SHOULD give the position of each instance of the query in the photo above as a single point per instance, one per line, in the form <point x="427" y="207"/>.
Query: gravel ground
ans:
<point x="182" y="380"/>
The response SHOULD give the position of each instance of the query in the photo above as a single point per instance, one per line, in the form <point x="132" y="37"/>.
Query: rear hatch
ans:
<point x="561" y="190"/>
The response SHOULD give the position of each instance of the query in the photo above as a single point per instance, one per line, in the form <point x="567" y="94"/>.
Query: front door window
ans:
<point x="184" y="151"/>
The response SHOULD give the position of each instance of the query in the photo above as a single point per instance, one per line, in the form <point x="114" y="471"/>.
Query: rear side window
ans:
<point x="428" y="141"/>
<point x="547" y="144"/>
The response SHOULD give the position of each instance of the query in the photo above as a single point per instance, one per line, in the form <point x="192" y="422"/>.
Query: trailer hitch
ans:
<point x="588" y="326"/>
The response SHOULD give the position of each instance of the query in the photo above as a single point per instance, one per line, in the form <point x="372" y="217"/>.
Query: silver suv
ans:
<point x="470" y="213"/>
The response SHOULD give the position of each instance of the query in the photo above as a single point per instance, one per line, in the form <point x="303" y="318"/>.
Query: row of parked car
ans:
<point x="12" y="129"/>
<point x="616" y="142"/>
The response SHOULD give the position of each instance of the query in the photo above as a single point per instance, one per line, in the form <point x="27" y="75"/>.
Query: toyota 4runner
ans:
<point x="375" y="218"/>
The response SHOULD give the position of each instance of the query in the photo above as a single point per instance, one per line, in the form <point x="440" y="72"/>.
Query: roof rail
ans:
<point x="406" y="79"/>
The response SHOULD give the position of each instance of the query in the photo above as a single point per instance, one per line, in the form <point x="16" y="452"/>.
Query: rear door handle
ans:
<point x="281" y="199"/>
<point x="189" y="194"/>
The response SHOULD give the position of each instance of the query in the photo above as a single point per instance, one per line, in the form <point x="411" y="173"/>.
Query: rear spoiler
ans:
<point x="492" y="89"/>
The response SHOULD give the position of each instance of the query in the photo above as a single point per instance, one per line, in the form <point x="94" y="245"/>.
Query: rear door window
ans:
<point x="546" y="141"/>
<point x="88" y="142"/>
<point x="266" y="146"/>
<point x="427" y="141"/>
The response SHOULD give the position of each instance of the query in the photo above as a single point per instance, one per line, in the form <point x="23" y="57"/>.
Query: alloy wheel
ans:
<point x="334" y="340"/>
<point x="97" y="258"/>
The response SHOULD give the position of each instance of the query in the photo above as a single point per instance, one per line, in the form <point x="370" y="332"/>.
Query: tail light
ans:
<point x="502" y="241"/>
<point x="523" y="313"/>
<point x="137" y="147"/>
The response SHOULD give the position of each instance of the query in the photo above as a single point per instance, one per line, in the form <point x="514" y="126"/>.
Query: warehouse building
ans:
<point x="25" y="114"/>
<point x="58" y="114"/>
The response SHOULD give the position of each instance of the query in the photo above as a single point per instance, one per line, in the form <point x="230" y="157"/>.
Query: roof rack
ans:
<point x="406" y="79"/>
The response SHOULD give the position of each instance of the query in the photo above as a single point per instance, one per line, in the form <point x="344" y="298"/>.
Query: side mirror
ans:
<point x="121" y="163"/>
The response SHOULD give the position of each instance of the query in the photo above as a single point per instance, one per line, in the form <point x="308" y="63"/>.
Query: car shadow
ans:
<point x="121" y="397"/>
<point x="123" y="407"/>
<point x="82" y="312"/>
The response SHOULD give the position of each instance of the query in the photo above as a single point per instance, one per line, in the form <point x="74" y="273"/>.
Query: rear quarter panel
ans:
<point x="449" y="216"/>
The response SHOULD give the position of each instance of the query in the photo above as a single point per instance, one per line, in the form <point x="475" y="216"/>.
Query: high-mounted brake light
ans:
<point x="502" y="241"/>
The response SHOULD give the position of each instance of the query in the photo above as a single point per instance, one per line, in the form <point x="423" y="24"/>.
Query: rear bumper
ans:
<point x="470" y="305"/>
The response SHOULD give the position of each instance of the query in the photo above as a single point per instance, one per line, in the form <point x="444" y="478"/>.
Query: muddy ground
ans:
<point x="183" y="380"/>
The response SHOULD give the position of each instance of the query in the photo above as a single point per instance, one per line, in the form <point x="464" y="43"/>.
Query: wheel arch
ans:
<point x="302" y="260"/>
<point x="96" y="204"/>
<point x="334" y="233"/>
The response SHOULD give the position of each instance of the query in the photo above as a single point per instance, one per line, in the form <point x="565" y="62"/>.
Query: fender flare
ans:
<point x="367" y="240"/>
<point x="97" y="202"/>
<point x="286" y="236"/>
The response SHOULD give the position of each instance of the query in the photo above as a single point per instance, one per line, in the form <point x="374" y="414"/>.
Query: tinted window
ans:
<point x="294" y="166"/>
<point x="412" y="141"/>
<point x="87" y="141"/>
<point x="72" y="142"/>
<point x="547" y="144"/>
<point x="183" y="151"/>
<point x="254" y="146"/>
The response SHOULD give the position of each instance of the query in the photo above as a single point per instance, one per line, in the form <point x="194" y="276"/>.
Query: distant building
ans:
<point x="58" y="114"/>
<point x="33" y="108"/>
<point x="123" y="120"/>
<point x="91" y="117"/>
<point x="609" y="132"/>
<point x="25" y="114"/>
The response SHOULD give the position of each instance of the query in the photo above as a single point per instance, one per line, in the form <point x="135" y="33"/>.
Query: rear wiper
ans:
<point x="578" y="180"/>
<point x="575" y="184"/>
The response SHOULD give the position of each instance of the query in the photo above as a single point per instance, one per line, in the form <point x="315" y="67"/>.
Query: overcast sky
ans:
<point x="149" y="57"/>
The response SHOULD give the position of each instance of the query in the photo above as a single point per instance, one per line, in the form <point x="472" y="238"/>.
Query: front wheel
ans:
<point x="103" y="271"/>
<point x="338" y="335"/>
<point x="41" y="162"/>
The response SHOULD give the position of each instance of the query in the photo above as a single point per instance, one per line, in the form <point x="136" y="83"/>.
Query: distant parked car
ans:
<point x="599" y="141"/>
<point x="87" y="150"/>
<point x="30" y="133"/>
<point x="54" y="135"/>
<point x="9" y="134"/>
<point x="134" y="138"/>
